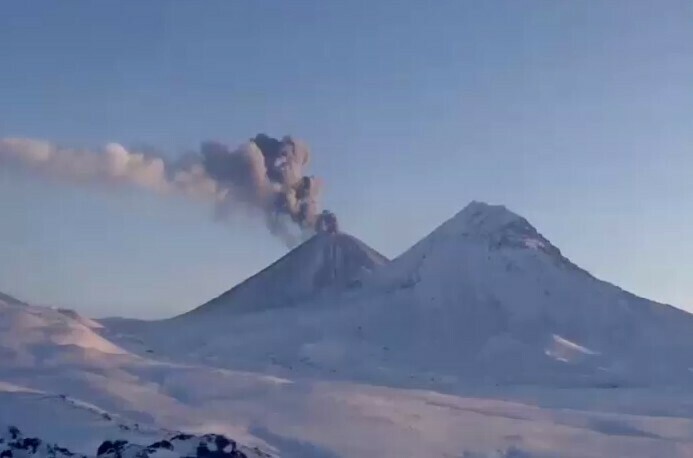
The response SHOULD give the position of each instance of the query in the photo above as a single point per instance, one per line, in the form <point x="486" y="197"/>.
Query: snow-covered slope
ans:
<point x="72" y="423"/>
<point x="328" y="262"/>
<point x="62" y="382"/>
<point x="29" y="334"/>
<point x="80" y="402"/>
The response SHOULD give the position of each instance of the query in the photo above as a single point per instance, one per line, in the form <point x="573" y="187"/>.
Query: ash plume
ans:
<point x="264" y="174"/>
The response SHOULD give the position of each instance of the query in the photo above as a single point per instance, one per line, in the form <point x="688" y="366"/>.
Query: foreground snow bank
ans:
<point x="13" y="444"/>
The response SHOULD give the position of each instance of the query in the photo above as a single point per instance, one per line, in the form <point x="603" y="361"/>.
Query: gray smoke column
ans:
<point x="265" y="174"/>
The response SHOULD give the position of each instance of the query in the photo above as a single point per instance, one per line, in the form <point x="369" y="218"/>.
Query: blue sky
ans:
<point x="577" y="115"/>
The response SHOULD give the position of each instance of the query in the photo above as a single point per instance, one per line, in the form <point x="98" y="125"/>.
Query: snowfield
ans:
<point x="482" y="340"/>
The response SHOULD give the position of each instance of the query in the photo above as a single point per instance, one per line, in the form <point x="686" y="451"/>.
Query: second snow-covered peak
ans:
<point x="485" y="216"/>
<point x="495" y="225"/>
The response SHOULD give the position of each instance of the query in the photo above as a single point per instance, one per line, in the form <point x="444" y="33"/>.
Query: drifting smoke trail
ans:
<point x="265" y="173"/>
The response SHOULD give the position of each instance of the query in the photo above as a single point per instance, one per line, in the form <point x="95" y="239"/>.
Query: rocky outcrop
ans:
<point x="13" y="444"/>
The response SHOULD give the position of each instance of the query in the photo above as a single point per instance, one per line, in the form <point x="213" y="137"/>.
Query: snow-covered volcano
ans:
<point x="487" y="284"/>
<point x="329" y="261"/>
<point x="495" y="271"/>
<point x="484" y="295"/>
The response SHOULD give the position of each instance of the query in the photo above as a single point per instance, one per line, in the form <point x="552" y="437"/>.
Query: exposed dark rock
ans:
<point x="183" y="445"/>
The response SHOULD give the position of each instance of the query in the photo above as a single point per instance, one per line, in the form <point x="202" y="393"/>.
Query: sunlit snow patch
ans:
<point x="564" y="350"/>
<point x="534" y="243"/>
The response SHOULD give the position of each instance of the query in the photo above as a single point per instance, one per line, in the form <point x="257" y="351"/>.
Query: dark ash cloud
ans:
<point x="265" y="174"/>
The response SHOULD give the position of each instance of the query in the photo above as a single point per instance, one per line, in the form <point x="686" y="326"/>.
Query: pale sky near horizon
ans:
<point x="576" y="115"/>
